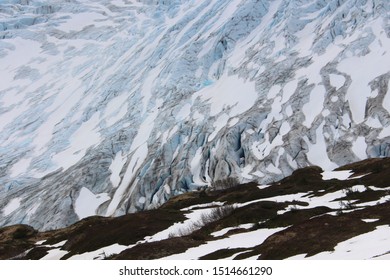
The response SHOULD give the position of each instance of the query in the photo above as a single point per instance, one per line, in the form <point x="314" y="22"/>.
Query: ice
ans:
<point x="103" y="88"/>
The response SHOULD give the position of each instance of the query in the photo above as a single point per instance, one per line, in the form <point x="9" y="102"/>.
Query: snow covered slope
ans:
<point x="111" y="107"/>
<point x="311" y="214"/>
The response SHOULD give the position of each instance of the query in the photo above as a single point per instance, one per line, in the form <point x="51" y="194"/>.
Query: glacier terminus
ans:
<point x="113" y="107"/>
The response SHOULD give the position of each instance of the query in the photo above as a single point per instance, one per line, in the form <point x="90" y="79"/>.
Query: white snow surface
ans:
<point x="359" y="247"/>
<point x="339" y="175"/>
<point x="87" y="202"/>
<point x="11" y="206"/>
<point x="101" y="253"/>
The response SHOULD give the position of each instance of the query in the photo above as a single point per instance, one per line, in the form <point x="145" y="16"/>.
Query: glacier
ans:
<point x="113" y="107"/>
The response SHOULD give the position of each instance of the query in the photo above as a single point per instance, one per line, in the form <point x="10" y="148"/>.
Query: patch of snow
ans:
<point x="182" y="227"/>
<point x="337" y="81"/>
<point x="241" y="240"/>
<point x="229" y="92"/>
<point x="360" y="247"/>
<point x="359" y="188"/>
<point x="87" y="202"/>
<point x="317" y="153"/>
<point x="101" y="253"/>
<point x="373" y="122"/>
<point x="78" y="21"/>
<point x="12" y="205"/>
<point x="195" y="166"/>
<point x="20" y="167"/>
<point x="384" y="133"/>
<point x="40" y="242"/>
<point x="116" y="167"/>
<point x="220" y="123"/>
<point x="205" y="205"/>
<point x="372" y="63"/>
<point x="184" y="112"/>
<point x="273" y="169"/>
<point x="245" y="172"/>
<point x="370" y="220"/>
<point x="55" y="254"/>
<point x="339" y="175"/>
<point x="112" y="115"/>
<point x="225" y="230"/>
<point x="84" y="137"/>
<point x="289" y="90"/>
<point x="289" y="111"/>
<point x="273" y="92"/>
<point x="258" y="173"/>
<point x="314" y="107"/>
<point x="263" y="186"/>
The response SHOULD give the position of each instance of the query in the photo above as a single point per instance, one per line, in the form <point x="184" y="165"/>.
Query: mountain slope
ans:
<point x="312" y="214"/>
<point x="111" y="107"/>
